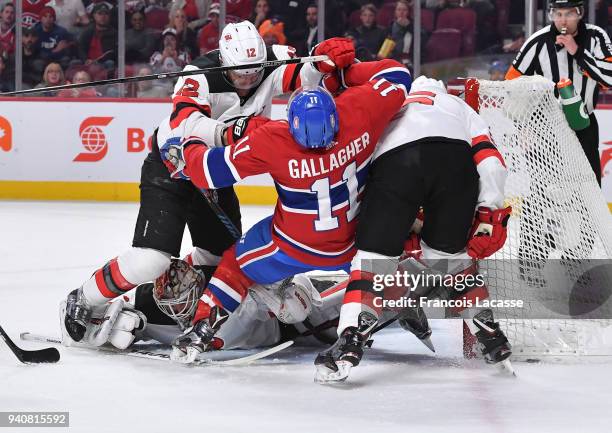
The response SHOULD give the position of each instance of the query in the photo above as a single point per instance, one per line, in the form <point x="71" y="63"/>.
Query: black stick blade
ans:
<point x="48" y="355"/>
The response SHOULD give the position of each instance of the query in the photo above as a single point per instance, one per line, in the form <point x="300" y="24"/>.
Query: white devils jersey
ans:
<point x="205" y="103"/>
<point x="433" y="117"/>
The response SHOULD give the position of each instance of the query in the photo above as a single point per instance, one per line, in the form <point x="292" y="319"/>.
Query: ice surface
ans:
<point x="47" y="249"/>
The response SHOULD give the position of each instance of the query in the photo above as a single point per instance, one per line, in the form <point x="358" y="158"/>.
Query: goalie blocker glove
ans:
<point x="493" y="343"/>
<point x="489" y="232"/>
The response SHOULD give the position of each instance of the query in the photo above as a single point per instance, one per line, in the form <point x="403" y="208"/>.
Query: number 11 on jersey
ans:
<point x="325" y="199"/>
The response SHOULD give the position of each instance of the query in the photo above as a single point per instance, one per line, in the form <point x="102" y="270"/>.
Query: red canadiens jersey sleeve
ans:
<point x="391" y="70"/>
<point x="213" y="168"/>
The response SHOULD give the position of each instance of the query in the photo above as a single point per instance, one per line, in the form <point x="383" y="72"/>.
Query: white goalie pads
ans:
<point x="114" y="323"/>
<point x="290" y="300"/>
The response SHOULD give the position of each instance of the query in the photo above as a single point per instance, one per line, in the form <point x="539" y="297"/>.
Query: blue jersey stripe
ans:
<point x="220" y="173"/>
<point x="397" y="76"/>
<point x="306" y="200"/>
<point x="229" y="303"/>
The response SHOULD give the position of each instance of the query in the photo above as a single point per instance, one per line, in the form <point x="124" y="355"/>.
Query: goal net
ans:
<point x="557" y="258"/>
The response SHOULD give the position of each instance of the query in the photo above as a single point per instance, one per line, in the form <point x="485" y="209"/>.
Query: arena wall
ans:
<point x="65" y="149"/>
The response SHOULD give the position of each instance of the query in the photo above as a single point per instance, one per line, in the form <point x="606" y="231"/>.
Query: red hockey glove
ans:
<point x="489" y="232"/>
<point x="341" y="53"/>
<point x="241" y="128"/>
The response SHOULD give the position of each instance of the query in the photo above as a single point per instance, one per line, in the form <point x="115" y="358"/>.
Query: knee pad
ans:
<point x="141" y="265"/>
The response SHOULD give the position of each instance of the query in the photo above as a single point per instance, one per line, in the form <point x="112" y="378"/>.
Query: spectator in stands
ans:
<point x="31" y="12"/>
<point x="70" y="14"/>
<point x="53" y="76"/>
<point x="7" y="79"/>
<point x="33" y="65"/>
<point x="238" y="10"/>
<point x="147" y="89"/>
<point x="497" y="70"/>
<point x="486" y="21"/>
<point x="172" y="56"/>
<point x="80" y="77"/>
<point x="55" y="42"/>
<point x="139" y="41"/>
<point x="400" y="32"/>
<point x="196" y="11"/>
<point x="187" y="37"/>
<point x="304" y="37"/>
<point x="98" y="43"/>
<point x="209" y="36"/>
<point x="292" y="13"/>
<point x="368" y="36"/>
<point x="273" y="32"/>
<point x="261" y="13"/>
<point x="7" y="28"/>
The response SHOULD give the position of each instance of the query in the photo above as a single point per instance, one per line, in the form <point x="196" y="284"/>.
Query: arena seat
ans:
<point x="443" y="44"/>
<point x="464" y="20"/>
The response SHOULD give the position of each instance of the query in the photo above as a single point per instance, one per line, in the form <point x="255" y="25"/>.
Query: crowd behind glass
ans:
<point x="76" y="41"/>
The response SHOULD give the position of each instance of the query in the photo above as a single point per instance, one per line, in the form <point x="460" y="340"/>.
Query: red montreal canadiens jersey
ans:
<point x="319" y="190"/>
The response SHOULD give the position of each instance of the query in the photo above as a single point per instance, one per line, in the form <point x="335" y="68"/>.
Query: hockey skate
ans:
<point x="77" y="313"/>
<point x="414" y="320"/>
<point x="334" y="365"/>
<point x="494" y="345"/>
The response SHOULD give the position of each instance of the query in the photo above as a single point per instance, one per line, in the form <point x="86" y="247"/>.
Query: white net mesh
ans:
<point x="560" y="217"/>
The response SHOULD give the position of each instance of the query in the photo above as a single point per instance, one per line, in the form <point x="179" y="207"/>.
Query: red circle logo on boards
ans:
<point x="93" y="139"/>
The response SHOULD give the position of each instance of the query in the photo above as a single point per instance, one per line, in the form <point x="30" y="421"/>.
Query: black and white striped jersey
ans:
<point x="589" y="69"/>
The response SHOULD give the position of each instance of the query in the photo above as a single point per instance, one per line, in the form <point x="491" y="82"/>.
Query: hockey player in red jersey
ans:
<point x="319" y="163"/>
<point x="206" y="106"/>
<point x="437" y="154"/>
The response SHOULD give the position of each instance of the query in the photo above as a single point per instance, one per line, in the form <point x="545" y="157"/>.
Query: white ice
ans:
<point x="48" y="249"/>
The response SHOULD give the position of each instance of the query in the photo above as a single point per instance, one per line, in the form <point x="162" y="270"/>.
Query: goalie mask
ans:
<point x="177" y="291"/>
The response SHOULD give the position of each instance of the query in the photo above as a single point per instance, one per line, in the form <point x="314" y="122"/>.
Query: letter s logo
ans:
<point x="93" y="139"/>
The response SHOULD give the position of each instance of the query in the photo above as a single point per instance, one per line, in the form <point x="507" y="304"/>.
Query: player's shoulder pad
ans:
<point x="283" y="52"/>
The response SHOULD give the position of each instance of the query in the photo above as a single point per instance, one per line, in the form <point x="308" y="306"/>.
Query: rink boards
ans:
<point x="63" y="149"/>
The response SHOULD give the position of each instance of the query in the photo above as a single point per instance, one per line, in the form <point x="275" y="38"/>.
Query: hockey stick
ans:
<point x="139" y="353"/>
<point x="209" y="196"/>
<point x="48" y="355"/>
<point x="215" y="69"/>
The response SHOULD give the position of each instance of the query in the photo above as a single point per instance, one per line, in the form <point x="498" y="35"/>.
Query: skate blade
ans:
<point x="427" y="342"/>
<point x="506" y="368"/>
<point x="325" y="375"/>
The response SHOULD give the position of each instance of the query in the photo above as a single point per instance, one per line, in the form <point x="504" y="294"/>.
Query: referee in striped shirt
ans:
<point x="570" y="48"/>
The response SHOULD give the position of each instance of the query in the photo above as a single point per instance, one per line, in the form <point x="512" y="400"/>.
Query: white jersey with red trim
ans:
<point x="432" y="117"/>
<point x="204" y="104"/>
